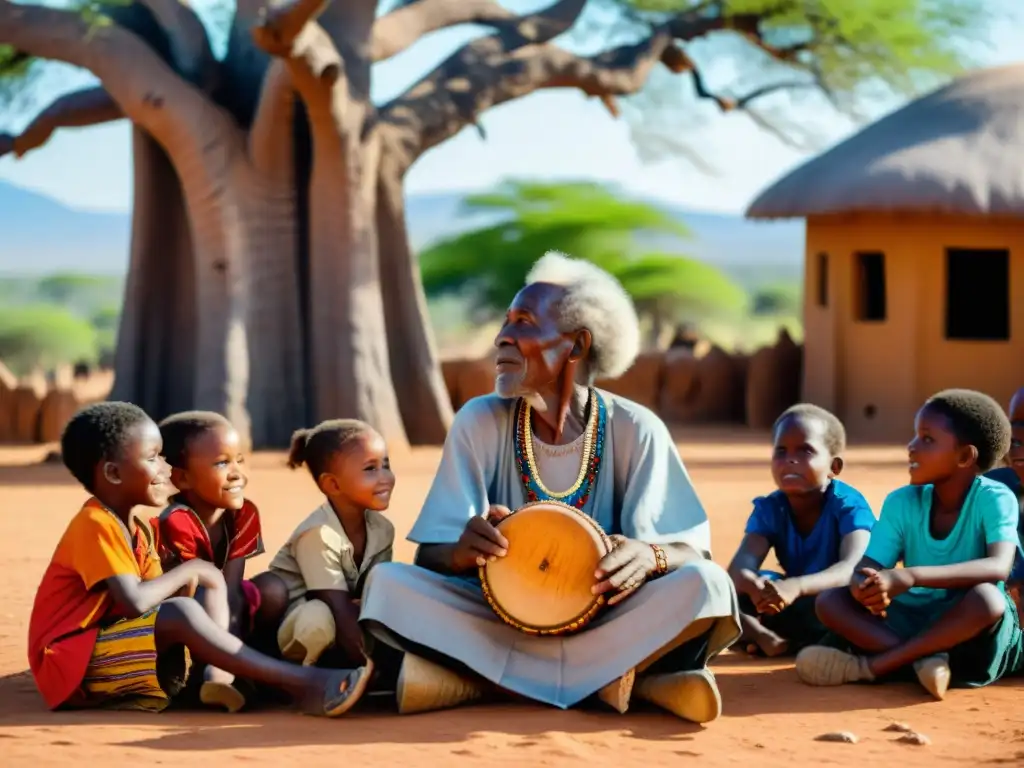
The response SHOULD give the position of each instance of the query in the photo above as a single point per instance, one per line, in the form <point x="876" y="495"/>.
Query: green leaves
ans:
<point x="44" y="336"/>
<point x="904" y="44"/>
<point x="490" y="264"/>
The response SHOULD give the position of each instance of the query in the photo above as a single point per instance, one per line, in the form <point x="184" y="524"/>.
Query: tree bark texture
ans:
<point x="271" y="278"/>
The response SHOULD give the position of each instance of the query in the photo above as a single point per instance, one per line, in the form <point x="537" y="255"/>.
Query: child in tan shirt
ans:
<point x="326" y="560"/>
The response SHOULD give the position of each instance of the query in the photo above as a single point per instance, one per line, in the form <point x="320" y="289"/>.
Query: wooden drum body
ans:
<point x="542" y="585"/>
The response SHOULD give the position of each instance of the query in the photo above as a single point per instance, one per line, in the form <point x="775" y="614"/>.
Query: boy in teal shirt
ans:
<point x="946" y="612"/>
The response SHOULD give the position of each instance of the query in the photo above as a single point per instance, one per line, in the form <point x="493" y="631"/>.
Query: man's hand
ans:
<point x="778" y="595"/>
<point x="480" y="541"/>
<point x="624" y="569"/>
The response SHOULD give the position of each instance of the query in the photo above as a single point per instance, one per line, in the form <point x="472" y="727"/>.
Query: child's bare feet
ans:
<point x="761" y="641"/>
<point x="219" y="690"/>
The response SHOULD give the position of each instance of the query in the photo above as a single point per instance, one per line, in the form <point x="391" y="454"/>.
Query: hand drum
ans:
<point x="542" y="586"/>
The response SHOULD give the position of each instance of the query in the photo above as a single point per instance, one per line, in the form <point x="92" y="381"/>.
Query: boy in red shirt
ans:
<point x="107" y="629"/>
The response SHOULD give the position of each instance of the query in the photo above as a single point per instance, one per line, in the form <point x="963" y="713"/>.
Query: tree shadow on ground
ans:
<point x="746" y="692"/>
<point x="41" y="474"/>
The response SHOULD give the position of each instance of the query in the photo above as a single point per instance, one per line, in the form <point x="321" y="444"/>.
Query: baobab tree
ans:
<point x="270" y="275"/>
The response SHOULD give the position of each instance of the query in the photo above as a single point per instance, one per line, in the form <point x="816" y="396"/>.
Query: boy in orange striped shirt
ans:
<point x="107" y="628"/>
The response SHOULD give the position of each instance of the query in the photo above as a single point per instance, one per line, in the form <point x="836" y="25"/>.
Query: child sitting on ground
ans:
<point x="106" y="629"/>
<point x="818" y="526"/>
<point x="1012" y="476"/>
<point x="210" y="518"/>
<point x="326" y="560"/>
<point x="945" y="613"/>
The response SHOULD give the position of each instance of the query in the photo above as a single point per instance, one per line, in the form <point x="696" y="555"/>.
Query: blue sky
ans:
<point x="550" y="135"/>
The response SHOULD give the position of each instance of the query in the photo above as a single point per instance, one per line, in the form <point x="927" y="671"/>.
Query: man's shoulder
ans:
<point x="623" y="411"/>
<point x="481" y="409"/>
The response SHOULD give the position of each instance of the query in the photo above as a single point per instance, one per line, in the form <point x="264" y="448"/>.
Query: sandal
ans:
<point x="343" y="690"/>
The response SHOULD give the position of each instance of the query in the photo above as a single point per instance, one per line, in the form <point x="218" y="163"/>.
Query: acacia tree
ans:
<point x="268" y="187"/>
<point x="486" y="265"/>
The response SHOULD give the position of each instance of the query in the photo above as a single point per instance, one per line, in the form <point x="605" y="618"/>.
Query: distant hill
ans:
<point x="39" y="235"/>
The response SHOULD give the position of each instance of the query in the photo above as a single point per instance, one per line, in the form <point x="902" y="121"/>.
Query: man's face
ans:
<point x="532" y="351"/>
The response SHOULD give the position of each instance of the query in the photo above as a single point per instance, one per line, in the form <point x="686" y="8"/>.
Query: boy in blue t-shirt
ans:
<point x="945" y="613"/>
<point x="818" y="526"/>
<point x="1012" y="477"/>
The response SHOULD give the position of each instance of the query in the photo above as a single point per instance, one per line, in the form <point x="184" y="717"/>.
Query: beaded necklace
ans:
<point x="593" y="451"/>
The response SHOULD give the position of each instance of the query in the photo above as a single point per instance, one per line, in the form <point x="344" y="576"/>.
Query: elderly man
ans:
<point x="671" y="608"/>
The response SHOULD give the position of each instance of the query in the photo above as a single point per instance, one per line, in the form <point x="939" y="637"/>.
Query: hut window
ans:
<point x="822" y="279"/>
<point x="869" y="301"/>
<point x="977" y="294"/>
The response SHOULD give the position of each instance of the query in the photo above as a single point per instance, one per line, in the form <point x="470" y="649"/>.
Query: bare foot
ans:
<point x="771" y="644"/>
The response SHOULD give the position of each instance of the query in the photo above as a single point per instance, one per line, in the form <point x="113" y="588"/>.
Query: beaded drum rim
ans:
<point x="577" y="622"/>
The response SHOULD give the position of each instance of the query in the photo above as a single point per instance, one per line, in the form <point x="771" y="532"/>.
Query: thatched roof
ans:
<point x="958" y="150"/>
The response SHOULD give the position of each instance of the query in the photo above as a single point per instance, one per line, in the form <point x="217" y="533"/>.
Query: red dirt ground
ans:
<point x="770" y="718"/>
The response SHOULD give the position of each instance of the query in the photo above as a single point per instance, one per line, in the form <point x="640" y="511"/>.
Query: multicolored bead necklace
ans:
<point x="593" y="452"/>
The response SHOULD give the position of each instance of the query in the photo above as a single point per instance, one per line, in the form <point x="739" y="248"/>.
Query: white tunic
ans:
<point x="642" y="491"/>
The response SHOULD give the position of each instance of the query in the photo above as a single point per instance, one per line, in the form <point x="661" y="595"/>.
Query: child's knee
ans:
<point x="273" y="594"/>
<point x="831" y="604"/>
<point x="307" y="632"/>
<point x="175" y="617"/>
<point x="987" y="601"/>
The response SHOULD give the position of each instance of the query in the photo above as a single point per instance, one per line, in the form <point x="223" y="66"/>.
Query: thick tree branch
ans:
<point x="289" y="32"/>
<point x="396" y="31"/>
<point x="501" y="67"/>
<point x="80" y="109"/>
<point x="439" y="108"/>
<point x="132" y="73"/>
<point x="190" y="45"/>
<point x="281" y="27"/>
<point x="272" y="126"/>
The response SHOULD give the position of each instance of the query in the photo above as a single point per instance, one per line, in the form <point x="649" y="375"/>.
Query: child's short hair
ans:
<point x="181" y="429"/>
<point x="315" y="447"/>
<point x="976" y="419"/>
<point x="97" y="433"/>
<point x="835" y="432"/>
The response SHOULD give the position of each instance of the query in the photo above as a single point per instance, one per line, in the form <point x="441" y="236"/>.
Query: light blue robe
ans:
<point x="642" y="475"/>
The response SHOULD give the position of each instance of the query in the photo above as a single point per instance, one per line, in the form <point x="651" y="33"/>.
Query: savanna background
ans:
<point x="178" y="227"/>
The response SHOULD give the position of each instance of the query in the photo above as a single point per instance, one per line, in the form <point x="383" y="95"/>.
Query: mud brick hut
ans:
<point x="914" y="266"/>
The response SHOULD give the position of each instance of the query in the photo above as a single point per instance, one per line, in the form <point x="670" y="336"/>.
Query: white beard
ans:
<point x="511" y="388"/>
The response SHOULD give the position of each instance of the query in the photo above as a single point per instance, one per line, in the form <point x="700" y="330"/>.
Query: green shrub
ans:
<point x="44" y="335"/>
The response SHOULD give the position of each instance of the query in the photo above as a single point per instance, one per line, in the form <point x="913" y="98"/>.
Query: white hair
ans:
<point x="596" y="301"/>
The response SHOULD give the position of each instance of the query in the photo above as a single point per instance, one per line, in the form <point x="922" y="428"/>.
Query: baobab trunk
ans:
<point x="348" y="335"/>
<point x="211" y="318"/>
<point x="422" y="396"/>
<point x="155" y="350"/>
